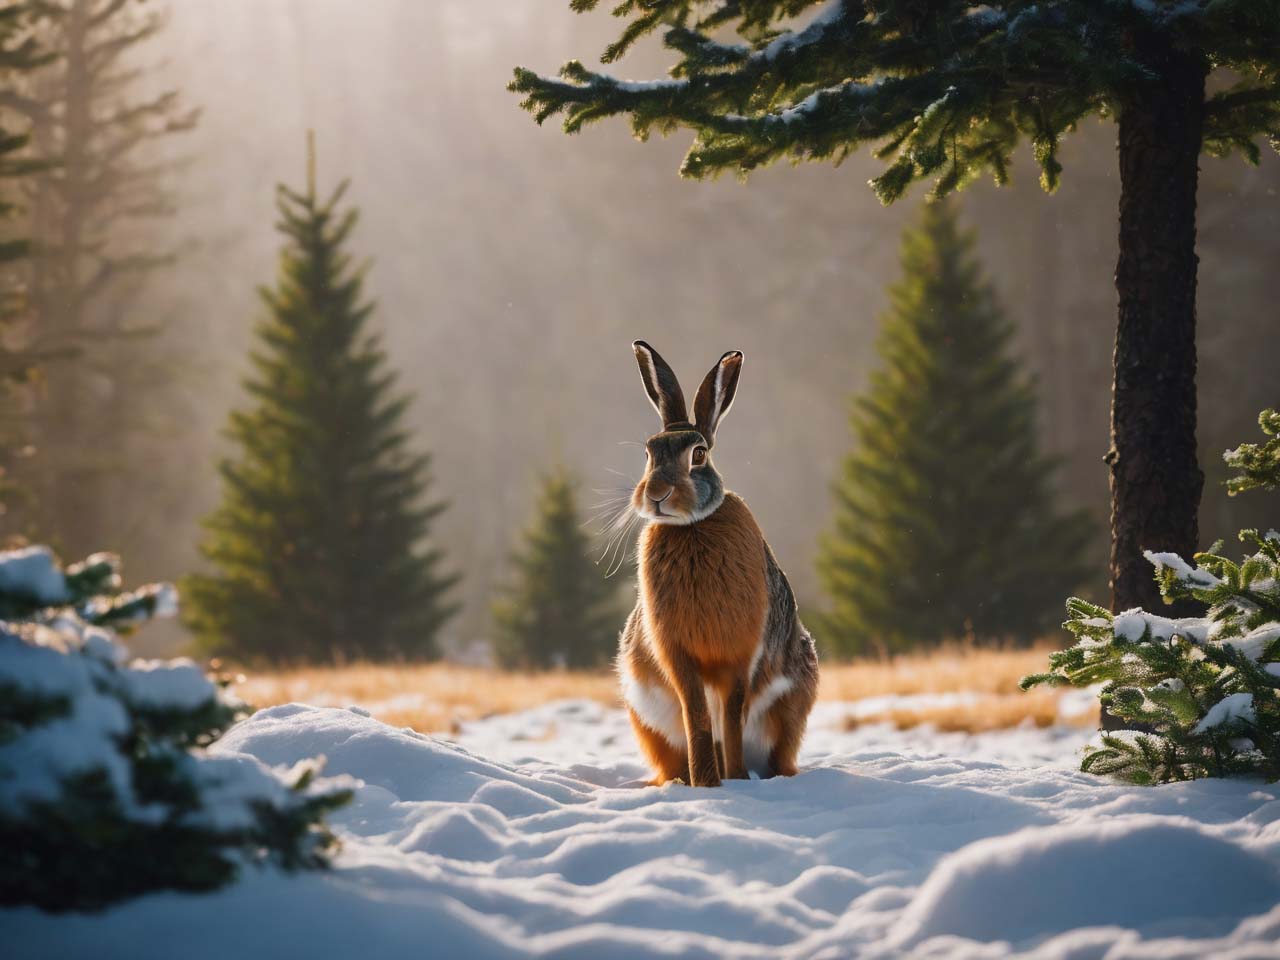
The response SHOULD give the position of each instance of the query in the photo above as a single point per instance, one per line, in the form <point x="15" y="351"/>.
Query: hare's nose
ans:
<point x="662" y="499"/>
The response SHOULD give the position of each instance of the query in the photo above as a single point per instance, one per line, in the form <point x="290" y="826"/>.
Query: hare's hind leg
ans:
<point x="668" y="762"/>
<point x="786" y="723"/>
<point x="726" y="729"/>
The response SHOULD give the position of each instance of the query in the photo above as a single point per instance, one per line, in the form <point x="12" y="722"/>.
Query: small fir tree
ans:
<point x="561" y="611"/>
<point x="1201" y="694"/>
<point x="106" y="791"/>
<point x="945" y="90"/>
<point x="945" y="508"/>
<point x="320" y="547"/>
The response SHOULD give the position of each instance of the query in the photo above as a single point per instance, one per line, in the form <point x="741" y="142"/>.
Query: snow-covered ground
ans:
<point x="533" y="836"/>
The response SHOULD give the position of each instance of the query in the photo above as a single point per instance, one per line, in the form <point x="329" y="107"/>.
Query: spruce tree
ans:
<point x="20" y="352"/>
<point x="106" y="415"/>
<point x="20" y="55"/>
<point x="946" y="91"/>
<point x="320" y="547"/>
<point x="945" y="524"/>
<point x="560" y="611"/>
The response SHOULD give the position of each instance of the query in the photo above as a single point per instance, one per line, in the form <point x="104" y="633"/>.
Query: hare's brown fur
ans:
<point x="702" y="587"/>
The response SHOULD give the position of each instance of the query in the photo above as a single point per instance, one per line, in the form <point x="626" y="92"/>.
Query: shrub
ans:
<point x="1201" y="695"/>
<point x="106" y="790"/>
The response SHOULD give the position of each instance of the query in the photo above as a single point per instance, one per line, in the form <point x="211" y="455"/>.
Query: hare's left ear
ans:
<point x="715" y="396"/>
<point x="661" y="385"/>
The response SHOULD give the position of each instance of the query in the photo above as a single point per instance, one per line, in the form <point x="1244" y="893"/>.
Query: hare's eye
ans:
<point x="699" y="456"/>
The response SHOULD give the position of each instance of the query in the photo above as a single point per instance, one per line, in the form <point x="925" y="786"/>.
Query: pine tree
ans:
<point x="20" y="55"/>
<point x="1200" y="694"/>
<point x="561" y="611"/>
<point x="947" y="90"/>
<point x="320" y="545"/>
<point x="945" y="524"/>
<point x="101" y="115"/>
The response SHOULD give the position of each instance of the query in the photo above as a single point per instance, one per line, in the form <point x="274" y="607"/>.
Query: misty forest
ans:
<point x="510" y="270"/>
<point x="331" y="339"/>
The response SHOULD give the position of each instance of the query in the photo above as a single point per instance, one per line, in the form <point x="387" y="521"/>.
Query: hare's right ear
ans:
<point x="661" y="385"/>
<point x="715" y="396"/>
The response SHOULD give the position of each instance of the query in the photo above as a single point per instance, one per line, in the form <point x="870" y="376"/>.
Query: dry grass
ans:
<point x="437" y="698"/>
<point x="431" y="698"/>
<point x="1039" y="708"/>
<point x="949" y="670"/>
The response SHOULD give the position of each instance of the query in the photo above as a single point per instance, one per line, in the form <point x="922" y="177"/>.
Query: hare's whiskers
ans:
<point x="616" y="531"/>
<point x="616" y="506"/>
<point x="621" y="555"/>
<point x="611" y="530"/>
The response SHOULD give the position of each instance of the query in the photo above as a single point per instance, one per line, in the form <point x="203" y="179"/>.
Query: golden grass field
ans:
<point x="436" y="698"/>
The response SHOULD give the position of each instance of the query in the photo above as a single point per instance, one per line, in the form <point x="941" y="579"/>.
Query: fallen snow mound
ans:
<point x="888" y="844"/>
<point x="1149" y="872"/>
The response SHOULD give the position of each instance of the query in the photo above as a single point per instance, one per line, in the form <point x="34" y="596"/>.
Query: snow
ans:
<point x="1130" y="625"/>
<point x="167" y="685"/>
<point x="84" y="670"/>
<point x="849" y="90"/>
<point x="33" y="572"/>
<point x="1236" y="706"/>
<point x="532" y="836"/>
<point x="1182" y="570"/>
<point x="33" y="766"/>
<point x="1255" y="643"/>
<point x="812" y="33"/>
<point x="232" y="785"/>
<point x="1133" y="624"/>
<point x="1113" y="874"/>
<point x="648" y="86"/>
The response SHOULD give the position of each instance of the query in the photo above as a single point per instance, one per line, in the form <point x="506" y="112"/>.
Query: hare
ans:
<point x="717" y="671"/>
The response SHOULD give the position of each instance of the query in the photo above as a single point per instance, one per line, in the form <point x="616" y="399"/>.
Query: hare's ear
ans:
<point x="661" y="385"/>
<point x="715" y="396"/>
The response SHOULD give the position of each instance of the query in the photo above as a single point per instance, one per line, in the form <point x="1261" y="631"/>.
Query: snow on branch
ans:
<point x="103" y="760"/>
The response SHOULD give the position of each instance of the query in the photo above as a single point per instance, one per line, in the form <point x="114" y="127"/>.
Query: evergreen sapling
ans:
<point x="1200" y="695"/>
<point x="560" y="611"/>
<point x="106" y="791"/>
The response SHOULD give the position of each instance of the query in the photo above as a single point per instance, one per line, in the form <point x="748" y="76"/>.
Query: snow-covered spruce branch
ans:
<point x="1203" y="693"/>
<point x="1258" y="465"/>
<point x="106" y="790"/>
<point x="1200" y="695"/>
<point x="944" y="93"/>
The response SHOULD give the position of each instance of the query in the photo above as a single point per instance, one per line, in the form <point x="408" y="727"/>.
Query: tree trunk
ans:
<point x="1155" y="479"/>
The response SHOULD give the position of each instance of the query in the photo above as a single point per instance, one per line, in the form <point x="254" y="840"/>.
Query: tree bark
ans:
<point x="1156" y="480"/>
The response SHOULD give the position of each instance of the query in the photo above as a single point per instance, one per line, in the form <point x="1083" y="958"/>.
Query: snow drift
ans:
<point x="884" y="846"/>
